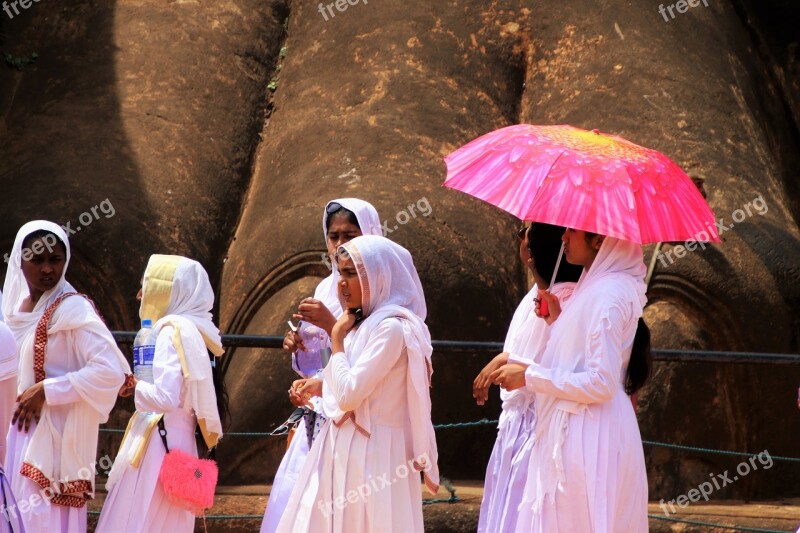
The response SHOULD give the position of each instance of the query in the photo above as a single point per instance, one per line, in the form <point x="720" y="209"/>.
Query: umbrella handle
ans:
<point x="544" y="310"/>
<point x="558" y="263"/>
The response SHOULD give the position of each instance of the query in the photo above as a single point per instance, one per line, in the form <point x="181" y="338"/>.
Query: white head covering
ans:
<point x="98" y="392"/>
<point x="390" y="288"/>
<point x="176" y="292"/>
<point x="615" y="280"/>
<point x="616" y="277"/>
<point x="15" y="288"/>
<point x="370" y="224"/>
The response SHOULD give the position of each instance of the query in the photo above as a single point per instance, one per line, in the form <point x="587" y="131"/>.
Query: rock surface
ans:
<point x="219" y="130"/>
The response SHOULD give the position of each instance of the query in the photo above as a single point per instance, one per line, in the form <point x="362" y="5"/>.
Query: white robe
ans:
<point x="37" y="513"/>
<point x="352" y="482"/>
<point x="507" y="469"/>
<point x="295" y="456"/>
<point x="9" y="361"/>
<point x="587" y="470"/>
<point x="135" y="500"/>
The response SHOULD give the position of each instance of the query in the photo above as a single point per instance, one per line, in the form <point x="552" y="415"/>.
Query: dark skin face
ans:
<point x="42" y="270"/>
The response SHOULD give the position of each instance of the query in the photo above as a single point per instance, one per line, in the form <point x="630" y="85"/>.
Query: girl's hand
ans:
<point x="308" y="388"/>
<point x="510" y="376"/>
<point x="303" y="390"/>
<point x="314" y="311"/>
<point x="554" y="307"/>
<point x="480" y="387"/>
<point x="29" y="407"/>
<point x="293" y="342"/>
<point x="340" y="330"/>
<point x="129" y="386"/>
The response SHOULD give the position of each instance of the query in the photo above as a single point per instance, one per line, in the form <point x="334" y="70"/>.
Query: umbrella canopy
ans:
<point x="583" y="180"/>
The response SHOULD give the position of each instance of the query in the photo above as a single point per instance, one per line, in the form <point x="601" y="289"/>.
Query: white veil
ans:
<point x="370" y="224"/>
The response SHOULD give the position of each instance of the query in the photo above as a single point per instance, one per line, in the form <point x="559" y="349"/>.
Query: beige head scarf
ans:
<point x="176" y="292"/>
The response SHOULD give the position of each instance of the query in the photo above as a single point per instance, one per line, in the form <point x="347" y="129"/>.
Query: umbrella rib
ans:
<point x="540" y="189"/>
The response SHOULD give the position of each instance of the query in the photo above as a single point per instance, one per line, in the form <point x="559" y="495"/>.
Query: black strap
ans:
<point x="162" y="430"/>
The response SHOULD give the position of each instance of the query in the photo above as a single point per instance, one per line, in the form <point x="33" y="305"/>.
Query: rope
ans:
<point x="487" y="422"/>
<point x="711" y="524"/>
<point x="718" y="452"/>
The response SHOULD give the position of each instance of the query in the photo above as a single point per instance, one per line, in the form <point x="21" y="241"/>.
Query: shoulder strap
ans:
<point x="40" y="339"/>
<point x="162" y="430"/>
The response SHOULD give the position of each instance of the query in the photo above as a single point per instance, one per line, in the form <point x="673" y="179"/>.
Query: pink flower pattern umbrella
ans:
<point x="584" y="180"/>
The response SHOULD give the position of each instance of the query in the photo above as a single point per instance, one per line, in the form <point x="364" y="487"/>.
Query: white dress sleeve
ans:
<point x="102" y="367"/>
<point x="352" y="384"/>
<point x="600" y="379"/>
<point x="164" y="394"/>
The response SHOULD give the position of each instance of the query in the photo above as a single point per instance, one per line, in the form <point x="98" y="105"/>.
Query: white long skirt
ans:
<point x="137" y="502"/>
<point x="587" y="470"/>
<point x="289" y="470"/>
<point x="36" y="511"/>
<point x="507" y="470"/>
<point x="355" y="484"/>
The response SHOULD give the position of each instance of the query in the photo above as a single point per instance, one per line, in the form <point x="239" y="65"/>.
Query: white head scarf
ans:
<point x="370" y="224"/>
<point x="616" y="277"/>
<point x="78" y="437"/>
<point x="390" y="287"/>
<point x="15" y="288"/>
<point x="176" y="292"/>
<point x="614" y="280"/>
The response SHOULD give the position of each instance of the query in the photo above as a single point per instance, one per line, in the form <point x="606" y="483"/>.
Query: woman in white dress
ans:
<point x="361" y="474"/>
<point x="587" y="470"/>
<point x="9" y="363"/>
<point x="70" y="372"/>
<point x="527" y="336"/>
<point x="342" y="220"/>
<point x="177" y="296"/>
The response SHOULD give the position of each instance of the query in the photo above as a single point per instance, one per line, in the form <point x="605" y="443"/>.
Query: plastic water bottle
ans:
<point x="144" y="349"/>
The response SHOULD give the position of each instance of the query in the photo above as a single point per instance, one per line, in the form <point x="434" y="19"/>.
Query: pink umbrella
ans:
<point x="584" y="180"/>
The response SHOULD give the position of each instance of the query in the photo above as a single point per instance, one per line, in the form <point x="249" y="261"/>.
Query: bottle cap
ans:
<point x="147" y="323"/>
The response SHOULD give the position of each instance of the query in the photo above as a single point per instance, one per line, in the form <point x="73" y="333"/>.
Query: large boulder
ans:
<point x="219" y="130"/>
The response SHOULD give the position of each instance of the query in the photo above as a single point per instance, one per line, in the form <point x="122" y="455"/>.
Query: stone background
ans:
<point x="218" y="130"/>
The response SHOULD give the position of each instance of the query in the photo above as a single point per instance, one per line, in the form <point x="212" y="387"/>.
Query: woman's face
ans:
<point x="340" y="231"/>
<point x="524" y="250"/>
<point x="42" y="270"/>
<point x="349" y="284"/>
<point x="579" y="251"/>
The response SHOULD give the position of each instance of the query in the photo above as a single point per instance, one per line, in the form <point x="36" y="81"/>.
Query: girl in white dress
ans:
<point x="342" y="220"/>
<point x="70" y="372"/>
<point x="177" y="296"/>
<point x="587" y="470"/>
<point x="527" y="336"/>
<point x="362" y="473"/>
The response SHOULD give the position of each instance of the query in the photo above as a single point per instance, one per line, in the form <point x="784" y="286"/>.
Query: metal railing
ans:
<point x="662" y="355"/>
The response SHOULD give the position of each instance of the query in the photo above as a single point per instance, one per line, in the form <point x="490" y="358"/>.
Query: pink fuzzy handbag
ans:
<point x="188" y="482"/>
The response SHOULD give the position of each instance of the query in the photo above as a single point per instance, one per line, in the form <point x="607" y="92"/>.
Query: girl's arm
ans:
<point x="102" y="370"/>
<point x="600" y="379"/>
<point x="351" y="384"/>
<point x="164" y="394"/>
